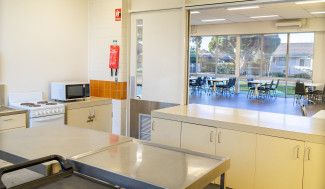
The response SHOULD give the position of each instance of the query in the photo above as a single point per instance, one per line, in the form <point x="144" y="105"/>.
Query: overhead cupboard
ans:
<point x="257" y="161"/>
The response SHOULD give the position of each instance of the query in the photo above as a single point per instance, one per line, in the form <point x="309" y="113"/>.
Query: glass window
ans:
<point x="301" y="50"/>
<point x="274" y="52"/>
<point x="139" y="48"/>
<point x="213" y="55"/>
<point x="250" y="55"/>
<point x="223" y="49"/>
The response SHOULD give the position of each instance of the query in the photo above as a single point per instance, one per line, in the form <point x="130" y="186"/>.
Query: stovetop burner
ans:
<point x="47" y="103"/>
<point x="28" y="104"/>
<point x="51" y="103"/>
<point x="42" y="102"/>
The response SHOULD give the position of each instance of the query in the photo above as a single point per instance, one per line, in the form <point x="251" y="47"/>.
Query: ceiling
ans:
<point x="289" y="10"/>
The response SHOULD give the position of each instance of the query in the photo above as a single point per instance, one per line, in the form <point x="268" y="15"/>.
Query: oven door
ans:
<point x="48" y="120"/>
<point x="74" y="91"/>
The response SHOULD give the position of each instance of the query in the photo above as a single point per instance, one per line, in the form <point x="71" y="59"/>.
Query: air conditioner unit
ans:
<point x="291" y="23"/>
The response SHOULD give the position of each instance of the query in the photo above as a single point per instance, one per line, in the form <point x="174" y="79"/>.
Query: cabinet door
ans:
<point x="78" y="117"/>
<point x="12" y="122"/>
<point x="103" y="118"/>
<point x="279" y="163"/>
<point x="198" y="138"/>
<point x="240" y="148"/>
<point x="314" y="166"/>
<point x="166" y="132"/>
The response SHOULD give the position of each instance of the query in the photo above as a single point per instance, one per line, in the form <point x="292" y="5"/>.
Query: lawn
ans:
<point x="280" y="90"/>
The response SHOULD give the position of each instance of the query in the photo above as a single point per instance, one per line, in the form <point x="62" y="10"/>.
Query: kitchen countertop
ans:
<point x="319" y="115"/>
<point x="272" y="124"/>
<point x="88" y="102"/>
<point x="61" y="140"/>
<point x="5" y="111"/>
<point x="156" y="165"/>
<point x="121" y="159"/>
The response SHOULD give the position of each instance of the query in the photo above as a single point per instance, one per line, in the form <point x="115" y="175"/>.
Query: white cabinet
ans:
<point x="96" y="117"/>
<point x="12" y="122"/>
<point x="166" y="132"/>
<point x="279" y="163"/>
<point x="314" y="166"/>
<point x="240" y="148"/>
<point x="198" y="138"/>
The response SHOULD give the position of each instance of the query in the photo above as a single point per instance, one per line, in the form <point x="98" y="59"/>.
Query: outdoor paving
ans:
<point x="278" y="105"/>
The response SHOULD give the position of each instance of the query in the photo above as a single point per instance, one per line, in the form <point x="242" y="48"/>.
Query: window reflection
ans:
<point x="139" y="58"/>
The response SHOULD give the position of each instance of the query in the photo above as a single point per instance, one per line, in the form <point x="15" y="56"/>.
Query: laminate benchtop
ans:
<point x="273" y="124"/>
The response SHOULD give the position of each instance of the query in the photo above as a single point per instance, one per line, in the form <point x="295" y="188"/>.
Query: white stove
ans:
<point x="41" y="112"/>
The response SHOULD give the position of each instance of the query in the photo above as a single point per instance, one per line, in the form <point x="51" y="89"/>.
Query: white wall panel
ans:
<point x="208" y="2"/>
<point x="319" y="58"/>
<point x="103" y="29"/>
<point x="145" y="5"/>
<point x="42" y="41"/>
<point x="163" y="54"/>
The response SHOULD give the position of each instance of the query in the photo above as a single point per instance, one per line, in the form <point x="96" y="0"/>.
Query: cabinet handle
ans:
<point x="219" y="137"/>
<point x="298" y="150"/>
<point x="308" y="153"/>
<point x="211" y="136"/>
<point x="10" y="119"/>
<point x="152" y="125"/>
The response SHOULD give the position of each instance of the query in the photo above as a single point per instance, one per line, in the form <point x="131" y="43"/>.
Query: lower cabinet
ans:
<point x="256" y="161"/>
<point x="279" y="163"/>
<point x="166" y="132"/>
<point x="198" y="138"/>
<point x="240" y="148"/>
<point x="314" y="166"/>
<point x="96" y="117"/>
<point x="10" y="122"/>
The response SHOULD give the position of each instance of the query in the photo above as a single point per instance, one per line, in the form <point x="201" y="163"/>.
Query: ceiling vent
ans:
<point x="296" y="23"/>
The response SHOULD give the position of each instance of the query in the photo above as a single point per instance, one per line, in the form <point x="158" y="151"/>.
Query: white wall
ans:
<point x="103" y="29"/>
<point x="208" y="2"/>
<point x="150" y="5"/>
<point x="42" y="41"/>
<point x="314" y="24"/>
<point x="319" y="58"/>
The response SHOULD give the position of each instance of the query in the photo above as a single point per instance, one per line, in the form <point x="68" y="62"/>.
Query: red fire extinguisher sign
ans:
<point x="114" y="58"/>
<point x="118" y="14"/>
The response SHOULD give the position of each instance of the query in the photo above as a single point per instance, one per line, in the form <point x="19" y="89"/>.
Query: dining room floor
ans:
<point x="275" y="105"/>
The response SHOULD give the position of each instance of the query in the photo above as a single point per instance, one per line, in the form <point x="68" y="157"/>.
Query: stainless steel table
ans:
<point x="138" y="164"/>
<point x="18" y="177"/>
<point x="33" y="143"/>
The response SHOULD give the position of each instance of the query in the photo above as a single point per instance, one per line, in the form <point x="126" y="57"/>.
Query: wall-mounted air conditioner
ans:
<point x="291" y="23"/>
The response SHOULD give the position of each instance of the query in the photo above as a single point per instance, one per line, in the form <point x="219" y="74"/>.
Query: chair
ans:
<point x="303" y="110"/>
<point x="250" y="86"/>
<point x="266" y="88"/>
<point x="229" y="86"/>
<point x="319" y="95"/>
<point x="300" y="92"/>
<point x="274" y="88"/>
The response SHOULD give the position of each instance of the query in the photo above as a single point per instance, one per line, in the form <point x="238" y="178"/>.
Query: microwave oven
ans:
<point x="69" y="91"/>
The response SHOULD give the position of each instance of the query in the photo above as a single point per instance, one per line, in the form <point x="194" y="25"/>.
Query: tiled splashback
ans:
<point x="108" y="89"/>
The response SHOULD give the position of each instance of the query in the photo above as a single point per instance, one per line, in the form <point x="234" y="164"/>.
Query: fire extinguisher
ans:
<point x="114" y="58"/>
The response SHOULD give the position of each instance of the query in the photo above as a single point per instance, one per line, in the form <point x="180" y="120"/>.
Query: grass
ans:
<point x="281" y="89"/>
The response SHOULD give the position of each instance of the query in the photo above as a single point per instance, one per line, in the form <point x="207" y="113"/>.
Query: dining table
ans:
<point x="217" y="80"/>
<point x="314" y="86"/>
<point x="256" y="84"/>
